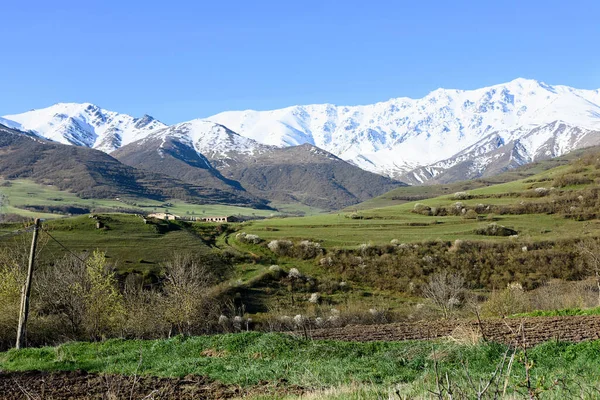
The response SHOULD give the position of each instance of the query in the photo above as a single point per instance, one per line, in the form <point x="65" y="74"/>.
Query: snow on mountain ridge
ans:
<point x="394" y="137"/>
<point x="85" y="124"/>
<point x="400" y="134"/>
<point x="209" y="139"/>
<point x="10" y="124"/>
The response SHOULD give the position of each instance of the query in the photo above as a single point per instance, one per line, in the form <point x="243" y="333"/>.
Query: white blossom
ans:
<point x="315" y="297"/>
<point x="294" y="273"/>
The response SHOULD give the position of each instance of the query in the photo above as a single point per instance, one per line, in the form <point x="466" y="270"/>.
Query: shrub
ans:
<point x="570" y="179"/>
<point x="104" y="307"/>
<point x="495" y="230"/>
<point x="308" y="249"/>
<point x="511" y="300"/>
<point x="446" y="290"/>
<point x="12" y="277"/>
<point x="420" y="208"/>
<point x="281" y="247"/>
<point x="470" y="214"/>
<point x="294" y="273"/>
<point x="314" y="298"/>
<point x="462" y="196"/>
<point x="248" y="238"/>
<point x="189" y="307"/>
<point x="275" y="271"/>
<point x="326" y="262"/>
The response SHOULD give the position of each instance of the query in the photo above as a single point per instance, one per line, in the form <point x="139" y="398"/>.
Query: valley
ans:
<point x="325" y="258"/>
<point x="311" y="200"/>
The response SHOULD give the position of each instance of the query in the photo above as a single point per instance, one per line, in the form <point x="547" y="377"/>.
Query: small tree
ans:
<point x="12" y="277"/>
<point x="446" y="290"/>
<point x="590" y="251"/>
<point x="59" y="293"/>
<point x="104" y="308"/>
<point x="187" y="300"/>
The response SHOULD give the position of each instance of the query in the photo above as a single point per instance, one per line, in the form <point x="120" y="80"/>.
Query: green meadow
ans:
<point x="408" y="369"/>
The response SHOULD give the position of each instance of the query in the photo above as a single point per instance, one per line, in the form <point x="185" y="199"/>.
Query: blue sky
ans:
<point x="179" y="60"/>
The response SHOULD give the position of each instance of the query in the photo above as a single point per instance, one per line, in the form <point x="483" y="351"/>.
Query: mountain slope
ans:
<point x="447" y="135"/>
<point x="84" y="125"/>
<point x="176" y="151"/>
<point x="306" y="174"/>
<point x="94" y="174"/>
<point x="402" y="134"/>
<point x="492" y="155"/>
<point x="193" y="150"/>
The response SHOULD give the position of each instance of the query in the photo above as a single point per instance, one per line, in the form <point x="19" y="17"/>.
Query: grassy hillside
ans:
<point x="93" y="174"/>
<point x="126" y="240"/>
<point x="504" y="204"/>
<point x="415" y="193"/>
<point x="17" y="194"/>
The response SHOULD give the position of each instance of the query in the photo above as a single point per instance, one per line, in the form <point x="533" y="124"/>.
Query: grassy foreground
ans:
<point x="353" y="369"/>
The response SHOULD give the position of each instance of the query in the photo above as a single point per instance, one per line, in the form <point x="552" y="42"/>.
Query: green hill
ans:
<point x="420" y="192"/>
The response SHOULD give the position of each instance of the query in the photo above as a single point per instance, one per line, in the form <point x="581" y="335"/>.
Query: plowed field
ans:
<point x="81" y="385"/>
<point x="536" y="330"/>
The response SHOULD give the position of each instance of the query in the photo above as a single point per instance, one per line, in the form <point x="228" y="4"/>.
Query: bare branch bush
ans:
<point x="446" y="290"/>
<point x="189" y="305"/>
<point x="590" y="251"/>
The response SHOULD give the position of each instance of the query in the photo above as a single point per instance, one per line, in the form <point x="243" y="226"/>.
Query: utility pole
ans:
<point x="24" y="311"/>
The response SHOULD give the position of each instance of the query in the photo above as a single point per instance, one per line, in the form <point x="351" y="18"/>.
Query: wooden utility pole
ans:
<point x="24" y="311"/>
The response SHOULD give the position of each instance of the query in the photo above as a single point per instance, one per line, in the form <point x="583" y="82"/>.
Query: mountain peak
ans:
<point x="401" y="134"/>
<point x="391" y="137"/>
<point x="85" y="124"/>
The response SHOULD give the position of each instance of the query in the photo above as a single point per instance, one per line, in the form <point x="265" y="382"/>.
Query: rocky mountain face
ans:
<point x="84" y="125"/>
<point x="94" y="174"/>
<point x="201" y="151"/>
<point x="418" y="139"/>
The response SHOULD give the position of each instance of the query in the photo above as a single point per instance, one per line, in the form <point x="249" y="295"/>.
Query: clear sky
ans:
<point x="179" y="60"/>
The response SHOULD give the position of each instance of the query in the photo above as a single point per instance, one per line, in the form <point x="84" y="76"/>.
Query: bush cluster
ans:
<point x="76" y="299"/>
<point x="248" y="238"/>
<point x="581" y="205"/>
<point x="304" y="249"/>
<point x="484" y="265"/>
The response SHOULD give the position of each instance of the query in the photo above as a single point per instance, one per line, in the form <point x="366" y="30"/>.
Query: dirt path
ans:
<point x="81" y="385"/>
<point x="537" y="330"/>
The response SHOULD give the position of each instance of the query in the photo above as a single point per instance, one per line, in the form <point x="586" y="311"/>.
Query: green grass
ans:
<point x="399" y="195"/>
<point x="380" y="225"/>
<point x="248" y="358"/>
<point x="127" y="241"/>
<point x="398" y="223"/>
<point x="24" y="192"/>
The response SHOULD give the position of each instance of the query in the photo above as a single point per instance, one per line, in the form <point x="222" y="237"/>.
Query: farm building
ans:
<point x="218" y="219"/>
<point x="165" y="216"/>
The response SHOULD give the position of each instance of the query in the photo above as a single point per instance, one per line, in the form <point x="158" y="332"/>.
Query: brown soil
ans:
<point x="81" y="385"/>
<point x="536" y="330"/>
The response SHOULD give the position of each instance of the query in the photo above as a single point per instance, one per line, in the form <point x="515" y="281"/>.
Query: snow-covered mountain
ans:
<point x="400" y="135"/>
<point x="209" y="139"/>
<point x="84" y="125"/>
<point x="468" y="132"/>
<point x="202" y="152"/>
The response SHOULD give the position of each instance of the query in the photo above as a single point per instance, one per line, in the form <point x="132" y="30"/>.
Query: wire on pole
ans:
<point x="62" y="245"/>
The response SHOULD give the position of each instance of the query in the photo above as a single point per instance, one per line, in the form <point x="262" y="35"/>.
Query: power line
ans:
<point x="62" y="245"/>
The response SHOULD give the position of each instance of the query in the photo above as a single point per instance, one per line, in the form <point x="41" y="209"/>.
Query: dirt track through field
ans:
<point x="536" y="329"/>
<point x="81" y="385"/>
